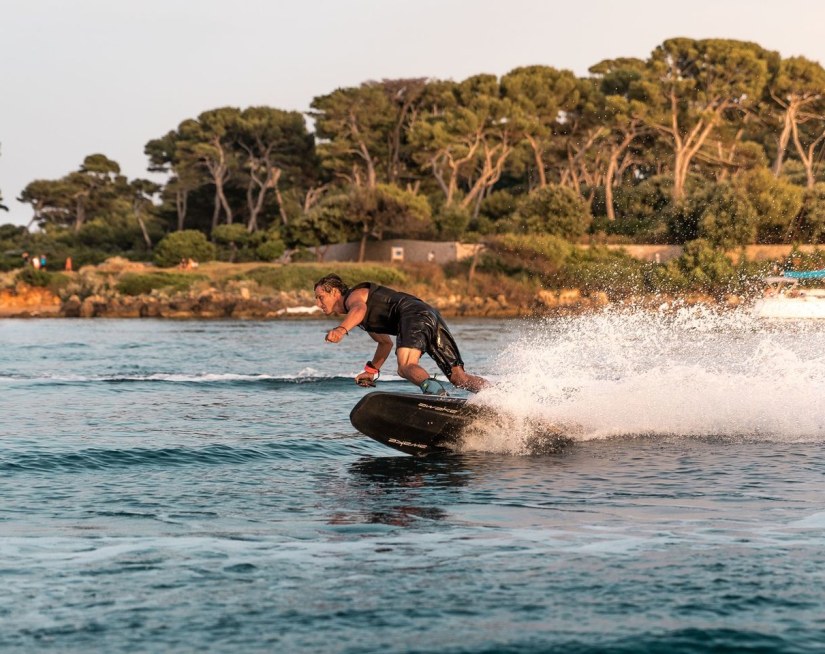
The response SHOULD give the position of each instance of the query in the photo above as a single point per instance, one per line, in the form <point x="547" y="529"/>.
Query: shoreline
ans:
<point x="26" y="302"/>
<point x="119" y="288"/>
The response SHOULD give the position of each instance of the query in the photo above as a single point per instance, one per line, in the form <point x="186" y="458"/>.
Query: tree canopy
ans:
<point x="713" y="138"/>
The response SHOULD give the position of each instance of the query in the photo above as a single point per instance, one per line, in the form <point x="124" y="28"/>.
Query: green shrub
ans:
<point x="233" y="242"/>
<point x="303" y="255"/>
<point x="519" y="255"/>
<point x="12" y="245"/>
<point x="398" y="212"/>
<point x="10" y="261"/>
<point x="682" y="218"/>
<point x="643" y="200"/>
<point x="451" y="222"/>
<point x="270" y="250"/>
<point x="296" y="277"/>
<point x="226" y="234"/>
<point x="810" y="225"/>
<point x="645" y="212"/>
<point x="632" y="229"/>
<point x="729" y="219"/>
<point x="143" y="284"/>
<point x="497" y="206"/>
<point x="59" y="282"/>
<point x="554" y="210"/>
<point x="777" y="203"/>
<point x="600" y="269"/>
<point x="703" y="267"/>
<point x="34" y="276"/>
<point x="552" y="249"/>
<point x="186" y="244"/>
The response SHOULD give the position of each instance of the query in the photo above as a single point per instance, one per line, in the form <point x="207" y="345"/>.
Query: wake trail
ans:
<point x="695" y="373"/>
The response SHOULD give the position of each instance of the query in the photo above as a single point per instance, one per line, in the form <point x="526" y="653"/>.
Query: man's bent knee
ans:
<point x="458" y="376"/>
<point x="462" y="379"/>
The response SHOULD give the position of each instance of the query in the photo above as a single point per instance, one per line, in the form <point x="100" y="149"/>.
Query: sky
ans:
<point x="79" y="77"/>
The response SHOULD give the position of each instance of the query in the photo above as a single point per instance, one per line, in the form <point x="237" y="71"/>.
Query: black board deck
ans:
<point x="412" y="422"/>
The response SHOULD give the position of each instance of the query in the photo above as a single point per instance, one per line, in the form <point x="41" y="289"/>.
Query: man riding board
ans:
<point x="418" y="328"/>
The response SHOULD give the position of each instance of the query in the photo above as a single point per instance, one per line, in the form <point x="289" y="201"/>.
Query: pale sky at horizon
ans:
<point x="86" y="76"/>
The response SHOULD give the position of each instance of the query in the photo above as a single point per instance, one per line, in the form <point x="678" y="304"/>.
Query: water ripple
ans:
<point x="214" y="454"/>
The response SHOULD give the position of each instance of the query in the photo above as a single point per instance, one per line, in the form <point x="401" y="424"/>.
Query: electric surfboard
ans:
<point x="414" y="423"/>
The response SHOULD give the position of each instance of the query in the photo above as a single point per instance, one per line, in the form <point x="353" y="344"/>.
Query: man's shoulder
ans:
<point x="358" y="294"/>
<point x="362" y="286"/>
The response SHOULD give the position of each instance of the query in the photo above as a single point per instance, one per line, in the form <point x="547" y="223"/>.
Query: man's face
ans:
<point x="327" y="300"/>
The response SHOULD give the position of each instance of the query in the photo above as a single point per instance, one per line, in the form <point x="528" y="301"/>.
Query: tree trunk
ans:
<point x="473" y="265"/>
<point x="608" y="185"/>
<point x="684" y="152"/>
<point x="254" y="201"/>
<point x="490" y="173"/>
<point x="537" y="155"/>
<point x="143" y="229"/>
<point x="80" y="213"/>
<point x="362" y="249"/>
<point x="807" y="155"/>
<point x="479" y="200"/>
<point x="224" y="203"/>
<point x="364" y="152"/>
<point x="181" y="202"/>
<point x="281" y="209"/>
<point x="789" y="119"/>
<point x="574" y="175"/>
<point x="220" y="173"/>
<point x="573" y="160"/>
<point x="685" y="149"/>
<point x="451" y="187"/>
<point x="312" y="196"/>
<point x="216" y="211"/>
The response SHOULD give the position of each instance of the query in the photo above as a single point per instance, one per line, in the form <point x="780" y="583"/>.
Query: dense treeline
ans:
<point x="718" y="140"/>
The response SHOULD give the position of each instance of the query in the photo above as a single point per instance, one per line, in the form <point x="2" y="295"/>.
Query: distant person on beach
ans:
<point x="417" y="326"/>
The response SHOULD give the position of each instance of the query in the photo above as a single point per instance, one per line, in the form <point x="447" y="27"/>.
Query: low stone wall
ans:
<point x="406" y="250"/>
<point x="665" y="253"/>
<point x="772" y="252"/>
<point x="442" y="252"/>
<point x="655" y="253"/>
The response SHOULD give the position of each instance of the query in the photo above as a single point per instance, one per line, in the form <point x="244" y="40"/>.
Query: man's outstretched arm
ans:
<point x="351" y="320"/>
<point x="382" y="352"/>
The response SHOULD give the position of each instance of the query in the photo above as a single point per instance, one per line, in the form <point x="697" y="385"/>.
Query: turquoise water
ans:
<point x="197" y="486"/>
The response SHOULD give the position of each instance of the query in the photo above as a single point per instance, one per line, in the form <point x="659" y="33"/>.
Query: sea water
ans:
<point x="197" y="486"/>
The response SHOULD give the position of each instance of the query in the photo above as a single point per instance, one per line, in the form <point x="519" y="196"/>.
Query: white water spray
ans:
<point x="694" y="372"/>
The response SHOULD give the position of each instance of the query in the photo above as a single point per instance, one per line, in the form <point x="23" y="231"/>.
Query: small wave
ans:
<point x="303" y="377"/>
<point x="301" y="449"/>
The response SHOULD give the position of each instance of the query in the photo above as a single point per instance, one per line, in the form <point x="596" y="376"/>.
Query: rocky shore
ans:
<point x="93" y="293"/>
<point x="25" y="301"/>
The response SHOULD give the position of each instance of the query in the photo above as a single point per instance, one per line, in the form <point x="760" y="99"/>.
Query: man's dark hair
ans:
<point x="328" y="282"/>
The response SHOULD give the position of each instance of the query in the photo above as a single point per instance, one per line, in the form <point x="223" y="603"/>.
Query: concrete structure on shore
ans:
<point x="399" y="250"/>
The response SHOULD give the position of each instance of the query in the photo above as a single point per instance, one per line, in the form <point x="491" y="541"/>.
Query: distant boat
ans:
<point x="785" y="299"/>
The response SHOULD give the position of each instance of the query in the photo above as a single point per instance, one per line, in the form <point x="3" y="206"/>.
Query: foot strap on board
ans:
<point x="433" y="387"/>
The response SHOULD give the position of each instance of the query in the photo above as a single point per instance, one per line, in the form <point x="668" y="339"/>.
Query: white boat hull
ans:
<point x="807" y="304"/>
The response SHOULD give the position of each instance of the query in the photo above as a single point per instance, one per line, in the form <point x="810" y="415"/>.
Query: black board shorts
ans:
<point x="422" y="328"/>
